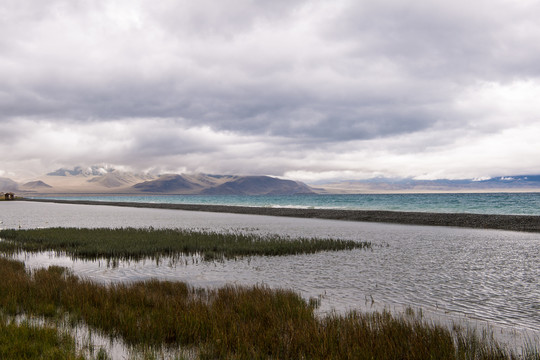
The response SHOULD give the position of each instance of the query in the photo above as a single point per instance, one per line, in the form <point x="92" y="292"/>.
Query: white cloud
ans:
<point x="310" y="89"/>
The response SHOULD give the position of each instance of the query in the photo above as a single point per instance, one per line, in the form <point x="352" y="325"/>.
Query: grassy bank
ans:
<point x="234" y="322"/>
<point x="130" y="243"/>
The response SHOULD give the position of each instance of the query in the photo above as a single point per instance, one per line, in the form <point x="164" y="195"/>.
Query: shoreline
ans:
<point x="526" y="223"/>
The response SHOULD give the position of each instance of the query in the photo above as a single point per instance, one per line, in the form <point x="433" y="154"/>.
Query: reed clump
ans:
<point x="234" y="322"/>
<point x="136" y="244"/>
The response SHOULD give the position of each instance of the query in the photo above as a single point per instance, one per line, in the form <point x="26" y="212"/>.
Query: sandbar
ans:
<point x="528" y="223"/>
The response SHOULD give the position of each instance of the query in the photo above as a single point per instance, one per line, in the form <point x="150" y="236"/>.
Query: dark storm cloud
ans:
<point x="464" y="41"/>
<point x="228" y="89"/>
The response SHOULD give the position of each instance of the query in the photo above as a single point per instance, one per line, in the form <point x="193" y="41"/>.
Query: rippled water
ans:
<point x="486" y="275"/>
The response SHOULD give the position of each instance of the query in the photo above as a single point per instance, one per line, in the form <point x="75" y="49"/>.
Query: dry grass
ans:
<point x="234" y="322"/>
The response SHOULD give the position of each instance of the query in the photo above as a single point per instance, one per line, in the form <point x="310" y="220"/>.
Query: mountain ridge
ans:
<point x="392" y="185"/>
<point x="8" y="185"/>
<point x="108" y="180"/>
<point x="38" y="184"/>
<point x="259" y="185"/>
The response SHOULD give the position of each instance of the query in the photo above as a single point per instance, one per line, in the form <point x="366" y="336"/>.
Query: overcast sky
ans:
<point x="309" y="90"/>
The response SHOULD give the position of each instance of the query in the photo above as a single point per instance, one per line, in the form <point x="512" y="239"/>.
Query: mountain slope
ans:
<point x="221" y="185"/>
<point x="36" y="185"/>
<point x="259" y="185"/>
<point x="170" y="183"/>
<point x="118" y="179"/>
<point x="8" y="185"/>
<point x="90" y="180"/>
<point x="519" y="183"/>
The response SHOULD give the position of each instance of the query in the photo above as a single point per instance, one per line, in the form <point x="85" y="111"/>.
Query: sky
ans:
<point x="309" y="90"/>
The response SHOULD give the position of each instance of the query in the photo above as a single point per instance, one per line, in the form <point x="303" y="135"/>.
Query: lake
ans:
<point x="482" y="203"/>
<point x="483" y="276"/>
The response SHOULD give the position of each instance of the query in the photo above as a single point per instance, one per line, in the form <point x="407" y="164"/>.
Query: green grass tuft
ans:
<point x="26" y="341"/>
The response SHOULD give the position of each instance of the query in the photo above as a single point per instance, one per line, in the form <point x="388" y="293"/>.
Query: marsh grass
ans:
<point x="136" y="244"/>
<point x="235" y="322"/>
<point x="28" y="341"/>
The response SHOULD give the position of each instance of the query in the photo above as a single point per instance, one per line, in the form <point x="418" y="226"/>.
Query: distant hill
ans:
<point x="170" y="183"/>
<point x="384" y="185"/>
<point x="8" y="185"/>
<point x="259" y="185"/>
<point x="36" y="185"/>
<point x="90" y="180"/>
<point x="117" y="179"/>
<point x="222" y="185"/>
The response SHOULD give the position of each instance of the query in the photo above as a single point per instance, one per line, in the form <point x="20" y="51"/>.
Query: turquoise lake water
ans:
<point x="483" y="203"/>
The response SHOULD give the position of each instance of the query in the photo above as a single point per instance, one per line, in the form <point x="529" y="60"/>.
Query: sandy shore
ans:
<point x="478" y="221"/>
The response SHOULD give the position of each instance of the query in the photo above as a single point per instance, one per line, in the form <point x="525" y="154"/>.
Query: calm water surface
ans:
<point x="483" y="275"/>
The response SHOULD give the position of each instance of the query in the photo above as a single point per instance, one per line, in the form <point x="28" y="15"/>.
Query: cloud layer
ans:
<point x="305" y="89"/>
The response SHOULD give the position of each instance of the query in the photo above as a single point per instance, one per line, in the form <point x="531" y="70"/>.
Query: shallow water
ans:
<point x="484" y="275"/>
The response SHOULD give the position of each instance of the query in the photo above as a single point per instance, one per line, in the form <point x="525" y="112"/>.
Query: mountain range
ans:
<point x="108" y="180"/>
<point x="521" y="183"/>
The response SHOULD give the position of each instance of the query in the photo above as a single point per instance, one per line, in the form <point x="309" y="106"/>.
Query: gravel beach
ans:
<point x="479" y="221"/>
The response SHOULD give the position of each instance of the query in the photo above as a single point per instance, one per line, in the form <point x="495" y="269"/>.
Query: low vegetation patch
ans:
<point x="27" y="341"/>
<point x="234" y="322"/>
<point x="135" y="244"/>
